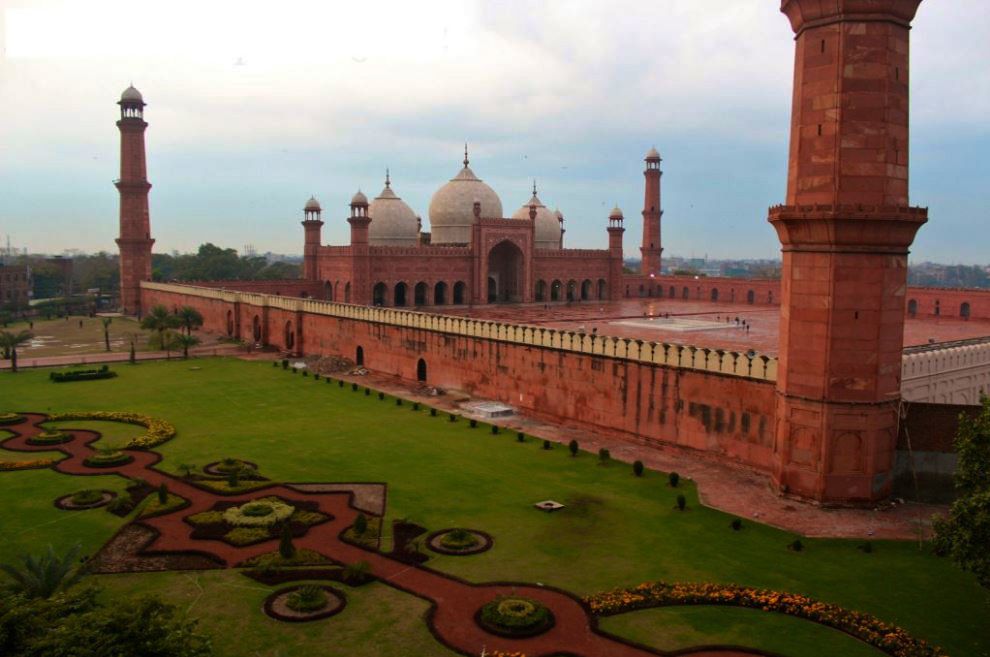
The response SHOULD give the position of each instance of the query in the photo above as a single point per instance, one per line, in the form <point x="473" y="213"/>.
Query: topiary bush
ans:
<point x="736" y="524"/>
<point x="865" y="548"/>
<point x="681" y="502"/>
<point x="515" y="617"/>
<point x="285" y="363"/>
<point x="381" y="396"/>
<point x="459" y="539"/>
<point x="452" y="417"/>
<point x="474" y="424"/>
<point x="398" y="401"/>
<point x="604" y="455"/>
<point x="360" y="524"/>
<point x="415" y="406"/>
<point x="638" y="468"/>
<point x="286" y="548"/>
<point x="433" y="412"/>
<point x="86" y="497"/>
<point x="107" y="459"/>
<point x="163" y="494"/>
<point x="547" y="444"/>
<point x="52" y="437"/>
<point x="674" y="479"/>
<point x="520" y="437"/>
<point x="494" y="430"/>
<point x="10" y="418"/>
<point x="796" y="545"/>
<point x="307" y="599"/>
<point x="573" y="447"/>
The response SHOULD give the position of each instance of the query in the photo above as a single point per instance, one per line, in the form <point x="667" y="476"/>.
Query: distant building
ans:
<point x="15" y="286"/>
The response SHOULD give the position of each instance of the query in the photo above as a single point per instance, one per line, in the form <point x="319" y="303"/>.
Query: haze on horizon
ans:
<point x="254" y="106"/>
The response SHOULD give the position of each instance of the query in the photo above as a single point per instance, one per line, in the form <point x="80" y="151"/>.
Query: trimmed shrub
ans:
<point x="120" y="505"/>
<point x="433" y="412"/>
<point x="459" y="539"/>
<point x="453" y="418"/>
<point x="206" y="517"/>
<point x="573" y="447"/>
<point x="494" y="430"/>
<point x="547" y="444"/>
<point x="163" y="494"/>
<point x="736" y="524"/>
<point x="415" y="406"/>
<point x="107" y="459"/>
<point x="515" y="617"/>
<point x="604" y="455"/>
<point x="360" y="524"/>
<point x="10" y="418"/>
<point x="307" y="599"/>
<point x="674" y="479"/>
<point x="866" y="548"/>
<point x="520" y="437"/>
<point x="796" y="545"/>
<point x="285" y="363"/>
<point x="381" y="396"/>
<point x="638" y="468"/>
<point x="264" y="512"/>
<point x="86" y="497"/>
<point x="274" y="363"/>
<point x="285" y="546"/>
<point x="354" y="386"/>
<point x="316" y="376"/>
<point x="398" y="401"/>
<point x="681" y="502"/>
<point x="367" y="392"/>
<point x="159" y="431"/>
<point x="356" y="573"/>
<point x="49" y="438"/>
<point x="305" y="372"/>
<point x="474" y="424"/>
<point x="246" y="535"/>
<point x="82" y="375"/>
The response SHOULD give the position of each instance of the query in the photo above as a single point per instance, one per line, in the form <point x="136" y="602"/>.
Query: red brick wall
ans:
<point x="727" y="415"/>
<point x="293" y="287"/>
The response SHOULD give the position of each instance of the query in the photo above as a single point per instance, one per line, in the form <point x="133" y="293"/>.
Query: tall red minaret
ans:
<point x="652" y="213"/>
<point x="615" y="231"/>
<point x="360" y="250"/>
<point x="312" y="227"/>
<point x="135" y="224"/>
<point x="845" y="233"/>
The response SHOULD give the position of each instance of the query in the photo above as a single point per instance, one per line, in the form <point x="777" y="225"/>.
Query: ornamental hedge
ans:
<point x="10" y="418"/>
<point x="82" y="375"/>
<point x="886" y="637"/>
<point x="159" y="431"/>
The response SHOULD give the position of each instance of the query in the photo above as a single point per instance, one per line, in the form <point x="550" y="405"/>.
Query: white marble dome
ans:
<point x="547" y="223"/>
<point x="131" y="94"/>
<point x="452" y="207"/>
<point x="393" y="222"/>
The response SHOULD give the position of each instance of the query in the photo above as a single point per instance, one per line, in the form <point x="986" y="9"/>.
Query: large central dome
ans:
<point x="393" y="222"/>
<point x="452" y="207"/>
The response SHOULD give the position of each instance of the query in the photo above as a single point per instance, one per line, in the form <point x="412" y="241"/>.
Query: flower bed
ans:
<point x="459" y="541"/>
<point x="226" y="466"/>
<point x="82" y="375"/>
<point x="515" y="617"/>
<point x="889" y="638"/>
<point x="304" y="603"/>
<point x="258" y="513"/>
<point x="159" y="431"/>
<point x="49" y="438"/>
<point x="255" y="521"/>
<point x="26" y="465"/>
<point x="10" y="418"/>
<point x="107" y="459"/>
<point x="85" y="499"/>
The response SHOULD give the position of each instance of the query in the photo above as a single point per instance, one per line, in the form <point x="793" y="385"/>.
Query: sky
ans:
<point x="254" y="106"/>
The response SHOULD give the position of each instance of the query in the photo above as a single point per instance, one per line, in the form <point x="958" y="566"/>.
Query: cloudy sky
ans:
<point x="253" y="106"/>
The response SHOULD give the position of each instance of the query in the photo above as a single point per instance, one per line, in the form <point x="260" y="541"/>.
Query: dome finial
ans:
<point x="465" y="155"/>
<point x="388" y="181"/>
<point x="534" y="186"/>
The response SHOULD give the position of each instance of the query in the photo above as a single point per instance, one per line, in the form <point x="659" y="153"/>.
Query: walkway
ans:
<point x="454" y="601"/>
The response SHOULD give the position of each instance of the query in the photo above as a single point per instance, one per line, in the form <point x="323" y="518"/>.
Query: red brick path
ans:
<point x="454" y="601"/>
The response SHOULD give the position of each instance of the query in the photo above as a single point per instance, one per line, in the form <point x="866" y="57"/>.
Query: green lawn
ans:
<point x="618" y="530"/>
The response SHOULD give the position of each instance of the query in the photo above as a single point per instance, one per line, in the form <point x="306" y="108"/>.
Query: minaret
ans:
<point x="615" y="231"/>
<point x="135" y="224"/>
<point x="360" y="250"/>
<point x="845" y="233"/>
<point x="651" y="248"/>
<point x="312" y="225"/>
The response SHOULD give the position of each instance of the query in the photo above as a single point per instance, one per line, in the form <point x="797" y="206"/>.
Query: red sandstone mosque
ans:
<point x="802" y="379"/>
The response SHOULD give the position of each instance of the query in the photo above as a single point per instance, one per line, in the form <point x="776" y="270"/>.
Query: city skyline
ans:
<point x="248" y="121"/>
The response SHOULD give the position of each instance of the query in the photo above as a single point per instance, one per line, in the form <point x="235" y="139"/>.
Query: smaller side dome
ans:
<point x="359" y="199"/>
<point x="652" y="155"/>
<point x="616" y="213"/>
<point x="131" y="95"/>
<point x="312" y="205"/>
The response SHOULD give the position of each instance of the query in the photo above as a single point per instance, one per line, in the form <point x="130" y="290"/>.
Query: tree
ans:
<point x="285" y="546"/>
<point x="160" y="321"/>
<point x="189" y="318"/>
<point x="106" y="321"/>
<point x="163" y="494"/>
<point x="9" y="342"/>
<point x="185" y="341"/>
<point x="965" y="534"/>
<point x="573" y="447"/>
<point x="42" y="577"/>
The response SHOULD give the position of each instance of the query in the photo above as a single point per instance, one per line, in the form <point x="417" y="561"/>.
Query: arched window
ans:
<point x="459" y="295"/>
<point x="419" y="294"/>
<point x="359" y="356"/>
<point x="328" y="291"/>
<point x="938" y="307"/>
<point x="556" y="288"/>
<point x="714" y="294"/>
<point x="571" y="290"/>
<point x="541" y="291"/>
<point x="290" y="336"/>
<point x="421" y="370"/>
<point x="585" y="290"/>
<point x="347" y="292"/>
<point x="912" y="307"/>
<point x="378" y="294"/>
<point x="230" y="322"/>
<point x="399" y="295"/>
<point x="685" y="293"/>
<point x="964" y="310"/>
<point x="641" y="292"/>
<point x="751" y="297"/>
<point x="440" y="294"/>
<point x="672" y="293"/>
<point x="256" y="328"/>
<point x="602" y="289"/>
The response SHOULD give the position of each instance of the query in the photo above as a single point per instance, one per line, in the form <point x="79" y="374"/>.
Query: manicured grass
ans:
<point x="618" y="530"/>
<point x="677" y="628"/>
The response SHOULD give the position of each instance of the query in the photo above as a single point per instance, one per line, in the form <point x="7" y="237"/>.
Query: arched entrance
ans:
<point x="328" y="291"/>
<point x="541" y="290"/>
<point x="290" y="336"/>
<point x="256" y="328"/>
<point x="964" y="310"/>
<point x="230" y="322"/>
<point x="421" y="370"/>
<point x="399" y="297"/>
<point x="714" y="294"/>
<point x="378" y="294"/>
<point x="585" y="290"/>
<point x="751" y="297"/>
<point x="572" y="290"/>
<point x="913" y="307"/>
<point x="459" y="293"/>
<point x="419" y="294"/>
<point x="505" y="273"/>
<point x="359" y="356"/>
<point x="555" y="289"/>
<point x="602" y="289"/>
<point x="440" y="294"/>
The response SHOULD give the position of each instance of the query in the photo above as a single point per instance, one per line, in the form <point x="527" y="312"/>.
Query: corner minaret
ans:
<point x="845" y="232"/>
<point x="135" y="240"/>
<point x="312" y="227"/>
<point x="360" y="250"/>
<point x="652" y="213"/>
<point x="615" y="231"/>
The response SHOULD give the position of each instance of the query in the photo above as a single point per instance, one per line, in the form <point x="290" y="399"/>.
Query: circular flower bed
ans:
<point x="264" y="512"/>
<point x="304" y="603"/>
<point x="107" y="459"/>
<point x="459" y="541"/>
<point x="85" y="499"/>
<point x="52" y="437"/>
<point x="515" y="617"/>
<point x="10" y="418"/>
<point x="229" y="465"/>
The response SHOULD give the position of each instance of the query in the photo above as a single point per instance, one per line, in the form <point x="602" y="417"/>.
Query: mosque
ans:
<point x="473" y="254"/>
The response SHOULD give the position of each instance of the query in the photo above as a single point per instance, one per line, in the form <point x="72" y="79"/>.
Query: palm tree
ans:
<point x="185" y="341"/>
<point x="160" y="321"/>
<point x="106" y="330"/>
<point x="189" y="318"/>
<point x="46" y="575"/>
<point x="10" y="342"/>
